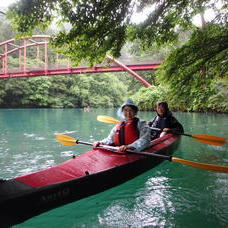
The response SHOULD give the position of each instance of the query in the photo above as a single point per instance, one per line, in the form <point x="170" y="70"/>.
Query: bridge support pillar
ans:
<point x="139" y="78"/>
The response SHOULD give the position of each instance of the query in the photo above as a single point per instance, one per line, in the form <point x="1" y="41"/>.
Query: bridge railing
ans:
<point x="30" y="56"/>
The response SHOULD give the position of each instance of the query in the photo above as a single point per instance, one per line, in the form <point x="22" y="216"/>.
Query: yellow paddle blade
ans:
<point x="107" y="119"/>
<point x="66" y="140"/>
<point x="210" y="139"/>
<point x="199" y="165"/>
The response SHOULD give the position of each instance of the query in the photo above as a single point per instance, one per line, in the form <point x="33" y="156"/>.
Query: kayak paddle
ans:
<point x="107" y="119"/>
<point x="70" y="141"/>
<point x="206" y="139"/>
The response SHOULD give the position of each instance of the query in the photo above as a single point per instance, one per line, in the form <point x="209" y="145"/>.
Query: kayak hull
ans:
<point x="26" y="196"/>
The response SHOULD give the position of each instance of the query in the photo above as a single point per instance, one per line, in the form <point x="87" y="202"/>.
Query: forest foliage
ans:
<point x="193" y="76"/>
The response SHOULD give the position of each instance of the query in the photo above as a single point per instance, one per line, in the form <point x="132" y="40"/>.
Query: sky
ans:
<point x="6" y="3"/>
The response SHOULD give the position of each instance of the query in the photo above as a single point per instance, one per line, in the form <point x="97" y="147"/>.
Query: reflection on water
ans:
<point x="149" y="203"/>
<point x="171" y="195"/>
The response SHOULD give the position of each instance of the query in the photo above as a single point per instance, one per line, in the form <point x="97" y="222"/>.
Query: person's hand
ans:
<point x="96" y="144"/>
<point x="166" y="130"/>
<point x="122" y="148"/>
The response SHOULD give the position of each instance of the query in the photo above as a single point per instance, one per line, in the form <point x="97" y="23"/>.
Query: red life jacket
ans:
<point x="126" y="132"/>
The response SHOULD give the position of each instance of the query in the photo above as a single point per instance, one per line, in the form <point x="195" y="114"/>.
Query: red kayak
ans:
<point x="29" y="195"/>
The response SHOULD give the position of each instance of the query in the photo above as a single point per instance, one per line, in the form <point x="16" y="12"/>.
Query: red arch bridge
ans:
<point x="30" y="57"/>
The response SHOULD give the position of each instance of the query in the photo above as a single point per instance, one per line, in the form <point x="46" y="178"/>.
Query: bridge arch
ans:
<point x="20" y="49"/>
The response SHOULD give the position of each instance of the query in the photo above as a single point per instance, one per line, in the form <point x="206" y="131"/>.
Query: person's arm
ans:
<point x="151" y="122"/>
<point x="106" y="141"/>
<point x="144" y="137"/>
<point x="109" y="139"/>
<point x="176" y="126"/>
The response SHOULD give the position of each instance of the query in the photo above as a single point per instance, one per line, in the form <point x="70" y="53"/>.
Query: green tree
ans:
<point x="37" y="92"/>
<point x="196" y="66"/>
<point x="89" y="21"/>
<point x="14" y="91"/>
<point x="96" y="28"/>
<point x="104" y="90"/>
<point x="6" y="31"/>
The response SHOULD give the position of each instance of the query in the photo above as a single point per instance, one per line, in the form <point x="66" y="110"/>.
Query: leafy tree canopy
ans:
<point x="193" y="76"/>
<point x="98" y="27"/>
<point x="62" y="92"/>
<point x="202" y="58"/>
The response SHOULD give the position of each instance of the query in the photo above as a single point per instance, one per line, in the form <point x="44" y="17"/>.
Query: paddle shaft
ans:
<point x="176" y="133"/>
<point x="114" y="149"/>
<point x="212" y="140"/>
<point x="210" y="167"/>
<point x="70" y="141"/>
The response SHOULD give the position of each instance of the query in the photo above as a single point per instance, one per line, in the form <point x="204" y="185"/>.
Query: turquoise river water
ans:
<point x="170" y="195"/>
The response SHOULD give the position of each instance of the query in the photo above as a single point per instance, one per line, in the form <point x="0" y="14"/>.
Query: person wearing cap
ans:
<point x="165" y="121"/>
<point x="130" y="133"/>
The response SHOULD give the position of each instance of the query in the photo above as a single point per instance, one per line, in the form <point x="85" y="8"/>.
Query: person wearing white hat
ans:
<point x="131" y="133"/>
